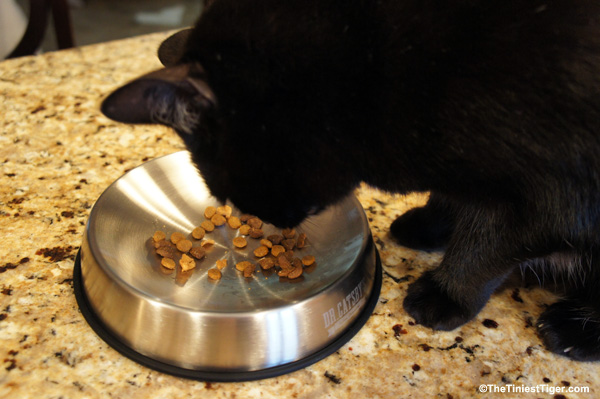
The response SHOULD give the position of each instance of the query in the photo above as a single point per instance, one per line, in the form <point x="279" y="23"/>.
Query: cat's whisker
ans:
<point x="535" y="274"/>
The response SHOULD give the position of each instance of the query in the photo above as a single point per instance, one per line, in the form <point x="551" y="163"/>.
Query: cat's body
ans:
<point x="492" y="106"/>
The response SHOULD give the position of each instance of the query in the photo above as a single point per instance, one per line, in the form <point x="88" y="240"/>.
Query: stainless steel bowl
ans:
<point x="236" y="328"/>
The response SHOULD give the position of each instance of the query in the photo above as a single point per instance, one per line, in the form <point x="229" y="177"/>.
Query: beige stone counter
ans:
<point x="57" y="155"/>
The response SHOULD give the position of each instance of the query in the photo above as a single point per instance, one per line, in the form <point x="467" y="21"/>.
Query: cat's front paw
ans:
<point x="422" y="228"/>
<point x="430" y="306"/>
<point x="571" y="328"/>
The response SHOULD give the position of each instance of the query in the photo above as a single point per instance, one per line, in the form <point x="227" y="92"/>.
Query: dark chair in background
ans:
<point x="39" y="12"/>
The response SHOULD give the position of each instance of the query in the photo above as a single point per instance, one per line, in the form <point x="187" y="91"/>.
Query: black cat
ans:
<point x="492" y="106"/>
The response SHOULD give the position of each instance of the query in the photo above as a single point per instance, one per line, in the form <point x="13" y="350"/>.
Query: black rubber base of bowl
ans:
<point x="220" y="376"/>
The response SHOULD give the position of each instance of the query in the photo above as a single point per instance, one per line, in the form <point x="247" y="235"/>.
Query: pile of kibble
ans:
<point x="275" y="251"/>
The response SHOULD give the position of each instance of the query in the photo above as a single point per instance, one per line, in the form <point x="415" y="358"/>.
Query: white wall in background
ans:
<point x="12" y="26"/>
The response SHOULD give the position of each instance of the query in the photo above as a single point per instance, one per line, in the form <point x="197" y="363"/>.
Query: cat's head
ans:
<point x="261" y="144"/>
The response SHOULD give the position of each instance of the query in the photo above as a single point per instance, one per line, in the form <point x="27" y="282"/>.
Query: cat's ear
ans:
<point x="171" y="50"/>
<point x="168" y="96"/>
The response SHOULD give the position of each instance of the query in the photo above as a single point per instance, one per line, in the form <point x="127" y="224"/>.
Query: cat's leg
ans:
<point x="571" y="326"/>
<point x="479" y="257"/>
<point x="428" y="227"/>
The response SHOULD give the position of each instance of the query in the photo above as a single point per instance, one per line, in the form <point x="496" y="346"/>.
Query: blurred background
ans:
<point x="95" y="21"/>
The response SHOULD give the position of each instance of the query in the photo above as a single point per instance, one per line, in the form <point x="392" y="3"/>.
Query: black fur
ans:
<point x="492" y="106"/>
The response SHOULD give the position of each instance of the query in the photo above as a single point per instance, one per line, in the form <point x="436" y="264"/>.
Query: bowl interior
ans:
<point x="168" y="194"/>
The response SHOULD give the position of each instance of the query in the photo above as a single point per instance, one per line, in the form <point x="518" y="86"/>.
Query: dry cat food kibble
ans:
<point x="198" y="233"/>
<point x="308" y="260"/>
<point x="159" y="236"/>
<point x="218" y="220"/>
<point x="184" y="245"/>
<point x="273" y="252"/>
<point x="198" y="252"/>
<point x="210" y="212"/>
<point x="284" y="272"/>
<point x="256" y="233"/>
<point x="284" y="262"/>
<point x="289" y="255"/>
<point x="225" y="210"/>
<point x="254" y="222"/>
<point x="249" y="270"/>
<point x="266" y="263"/>
<point x="275" y="239"/>
<point x="277" y="250"/>
<point x="166" y="251"/>
<point x="266" y="243"/>
<point x="240" y="242"/>
<point x="186" y="263"/>
<point x="168" y="263"/>
<point x="234" y="222"/>
<point x="295" y="273"/>
<point x="214" y="274"/>
<point x="208" y="226"/>
<point x="289" y="244"/>
<point x="245" y="229"/>
<point x="261" y="251"/>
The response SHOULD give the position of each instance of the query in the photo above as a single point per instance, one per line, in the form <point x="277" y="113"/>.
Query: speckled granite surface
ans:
<point x="57" y="155"/>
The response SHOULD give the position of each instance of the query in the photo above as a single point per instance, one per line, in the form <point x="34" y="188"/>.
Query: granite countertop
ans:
<point x="57" y="155"/>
